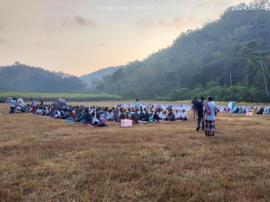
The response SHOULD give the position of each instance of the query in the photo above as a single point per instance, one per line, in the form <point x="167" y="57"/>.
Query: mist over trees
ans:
<point x="228" y="58"/>
<point x="92" y="78"/>
<point x="22" y="78"/>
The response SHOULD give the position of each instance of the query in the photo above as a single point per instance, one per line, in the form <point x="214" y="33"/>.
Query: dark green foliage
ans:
<point x="228" y="57"/>
<point x="222" y="93"/>
<point x="182" y="94"/>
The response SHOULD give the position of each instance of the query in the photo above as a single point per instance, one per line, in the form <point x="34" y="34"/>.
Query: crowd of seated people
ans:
<point x="99" y="116"/>
<point x="93" y="116"/>
<point x="259" y="110"/>
<point x="138" y="113"/>
<point x="150" y="113"/>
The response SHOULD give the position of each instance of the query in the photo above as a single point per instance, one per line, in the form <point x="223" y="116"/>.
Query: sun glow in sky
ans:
<point x="82" y="36"/>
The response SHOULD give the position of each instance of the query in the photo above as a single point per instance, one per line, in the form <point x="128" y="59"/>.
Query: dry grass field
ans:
<point x="42" y="159"/>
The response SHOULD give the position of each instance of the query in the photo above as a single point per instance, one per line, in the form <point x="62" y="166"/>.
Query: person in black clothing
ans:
<point x="146" y="116"/>
<point x="200" y="114"/>
<point x="170" y="116"/>
<point x="87" y="118"/>
<point x="156" y="116"/>
<point x="260" y="112"/>
<point x="194" y="107"/>
<point x="122" y="114"/>
<point x="135" y="116"/>
<point x="141" y="115"/>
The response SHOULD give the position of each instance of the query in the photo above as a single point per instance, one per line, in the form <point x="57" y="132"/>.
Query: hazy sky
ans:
<point x="81" y="36"/>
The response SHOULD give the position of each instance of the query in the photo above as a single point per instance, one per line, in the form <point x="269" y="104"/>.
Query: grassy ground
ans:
<point x="67" y="96"/>
<point x="42" y="159"/>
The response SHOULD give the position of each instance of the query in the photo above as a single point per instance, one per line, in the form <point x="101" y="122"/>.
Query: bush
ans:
<point x="221" y="93"/>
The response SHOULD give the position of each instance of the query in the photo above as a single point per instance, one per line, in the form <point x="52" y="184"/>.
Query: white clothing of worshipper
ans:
<point x="20" y="102"/>
<point x="177" y="114"/>
<point x="109" y="116"/>
<point x="162" y="115"/>
<point x="184" y="115"/>
<point x="20" y="105"/>
<point x="39" y="111"/>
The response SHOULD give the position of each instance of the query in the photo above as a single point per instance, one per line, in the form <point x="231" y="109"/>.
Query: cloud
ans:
<point x="80" y="21"/>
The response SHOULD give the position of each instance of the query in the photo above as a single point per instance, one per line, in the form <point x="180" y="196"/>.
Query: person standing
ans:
<point x="137" y="105"/>
<point x="200" y="114"/>
<point x="194" y="107"/>
<point x="210" y="109"/>
<point x="12" y="105"/>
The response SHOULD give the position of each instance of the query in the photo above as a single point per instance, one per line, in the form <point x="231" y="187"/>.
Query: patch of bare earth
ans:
<point x="42" y="159"/>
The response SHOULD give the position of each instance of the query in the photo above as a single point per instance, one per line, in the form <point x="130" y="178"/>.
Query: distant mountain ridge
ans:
<point x="23" y="78"/>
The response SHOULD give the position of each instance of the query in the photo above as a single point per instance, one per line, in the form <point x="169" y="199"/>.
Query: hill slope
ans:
<point x="92" y="78"/>
<point x="233" y="50"/>
<point x="23" y="78"/>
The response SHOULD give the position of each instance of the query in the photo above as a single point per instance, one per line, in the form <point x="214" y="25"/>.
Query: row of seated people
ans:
<point x="174" y="107"/>
<point x="259" y="110"/>
<point x="98" y="116"/>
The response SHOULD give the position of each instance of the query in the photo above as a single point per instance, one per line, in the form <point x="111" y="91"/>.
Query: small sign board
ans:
<point x="126" y="123"/>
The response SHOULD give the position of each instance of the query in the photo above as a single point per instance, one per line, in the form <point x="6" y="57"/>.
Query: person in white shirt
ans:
<point x="109" y="116"/>
<point x="162" y="115"/>
<point x="184" y="115"/>
<point x="210" y="109"/>
<point x="177" y="114"/>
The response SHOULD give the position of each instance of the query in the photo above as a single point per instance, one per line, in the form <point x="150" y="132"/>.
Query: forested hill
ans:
<point x="228" y="58"/>
<point x="23" y="78"/>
